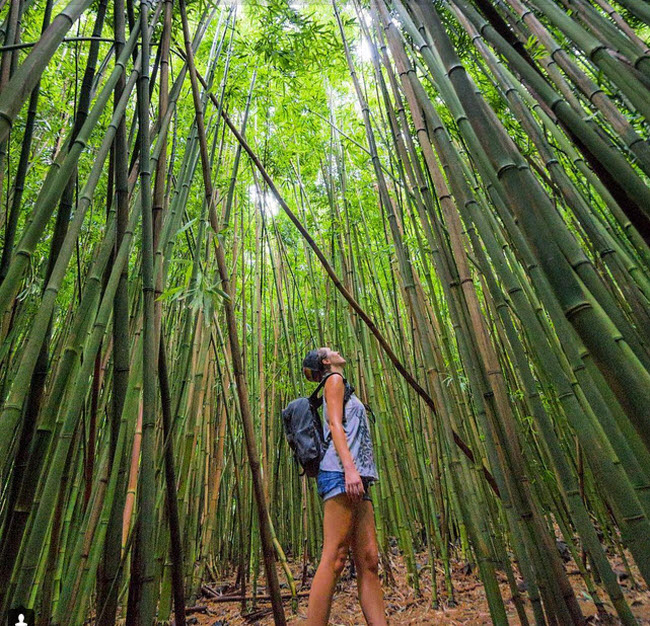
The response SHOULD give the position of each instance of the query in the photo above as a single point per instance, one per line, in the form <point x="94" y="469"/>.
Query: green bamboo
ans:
<point x="24" y="80"/>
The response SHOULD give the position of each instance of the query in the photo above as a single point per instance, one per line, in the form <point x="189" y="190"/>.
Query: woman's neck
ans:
<point x="336" y="369"/>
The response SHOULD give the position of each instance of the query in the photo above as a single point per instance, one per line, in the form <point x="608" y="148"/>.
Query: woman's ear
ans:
<point x="325" y="360"/>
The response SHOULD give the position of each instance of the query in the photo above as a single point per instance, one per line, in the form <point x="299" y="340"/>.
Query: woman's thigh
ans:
<point x="364" y="539"/>
<point x="338" y="523"/>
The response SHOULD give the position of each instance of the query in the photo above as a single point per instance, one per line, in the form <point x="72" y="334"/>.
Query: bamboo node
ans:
<point x="573" y="311"/>
<point x="504" y="168"/>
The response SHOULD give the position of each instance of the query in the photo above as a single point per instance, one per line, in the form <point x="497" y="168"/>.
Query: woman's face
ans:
<point x="332" y="357"/>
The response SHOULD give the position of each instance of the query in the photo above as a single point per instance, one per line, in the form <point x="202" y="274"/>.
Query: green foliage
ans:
<point x="535" y="48"/>
<point x="306" y="126"/>
<point x="290" y="40"/>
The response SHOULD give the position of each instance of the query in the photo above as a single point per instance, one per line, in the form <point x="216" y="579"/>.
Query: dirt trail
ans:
<point x="404" y="608"/>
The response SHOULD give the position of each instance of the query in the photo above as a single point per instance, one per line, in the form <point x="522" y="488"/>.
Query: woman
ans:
<point x="346" y="471"/>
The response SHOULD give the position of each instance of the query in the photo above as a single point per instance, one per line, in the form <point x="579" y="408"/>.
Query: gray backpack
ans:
<point x="304" y="429"/>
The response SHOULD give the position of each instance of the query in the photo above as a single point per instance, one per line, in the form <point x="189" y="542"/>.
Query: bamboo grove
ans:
<point x="454" y="193"/>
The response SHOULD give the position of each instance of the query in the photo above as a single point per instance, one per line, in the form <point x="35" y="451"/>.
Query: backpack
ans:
<point x="304" y="430"/>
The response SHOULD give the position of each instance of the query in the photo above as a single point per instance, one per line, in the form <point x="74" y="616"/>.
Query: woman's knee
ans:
<point x="337" y="558"/>
<point x="367" y="561"/>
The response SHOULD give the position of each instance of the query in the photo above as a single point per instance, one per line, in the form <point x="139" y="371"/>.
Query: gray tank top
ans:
<point x="357" y="431"/>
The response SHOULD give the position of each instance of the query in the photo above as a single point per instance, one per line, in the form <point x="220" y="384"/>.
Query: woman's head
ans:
<point x="319" y="362"/>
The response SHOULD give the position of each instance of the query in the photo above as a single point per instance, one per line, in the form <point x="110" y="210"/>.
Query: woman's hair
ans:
<point x="313" y="367"/>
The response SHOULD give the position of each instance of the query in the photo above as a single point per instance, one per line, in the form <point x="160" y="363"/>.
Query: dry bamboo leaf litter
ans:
<point x="403" y="608"/>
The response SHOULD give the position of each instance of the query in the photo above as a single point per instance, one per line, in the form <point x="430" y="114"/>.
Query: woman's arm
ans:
<point x="334" y="393"/>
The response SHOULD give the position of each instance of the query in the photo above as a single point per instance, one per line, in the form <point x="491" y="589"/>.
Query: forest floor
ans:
<point x="404" y="607"/>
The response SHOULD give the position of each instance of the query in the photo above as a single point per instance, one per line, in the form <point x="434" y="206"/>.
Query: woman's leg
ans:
<point x="338" y="528"/>
<point x="366" y="561"/>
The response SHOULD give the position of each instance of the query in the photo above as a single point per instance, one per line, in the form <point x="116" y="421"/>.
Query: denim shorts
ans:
<point x="331" y="484"/>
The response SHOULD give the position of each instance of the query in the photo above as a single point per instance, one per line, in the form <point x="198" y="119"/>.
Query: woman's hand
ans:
<point x="354" y="484"/>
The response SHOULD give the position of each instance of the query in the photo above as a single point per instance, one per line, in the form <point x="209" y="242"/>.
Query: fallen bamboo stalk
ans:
<point x="238" y="598"/>
<point x="196" y="609"/>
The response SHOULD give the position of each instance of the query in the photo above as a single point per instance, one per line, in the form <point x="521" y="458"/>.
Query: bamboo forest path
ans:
<point x="452" y="194"/>
<point x="404" y="607"/>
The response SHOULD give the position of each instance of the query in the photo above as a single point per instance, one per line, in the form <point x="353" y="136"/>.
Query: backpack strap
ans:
<point x="298" y="466"/>
<point x="315" y="400"/>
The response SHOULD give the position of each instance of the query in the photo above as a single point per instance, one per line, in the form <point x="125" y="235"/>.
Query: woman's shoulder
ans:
<point x="335" y="380"/>
<point x="334" y="384"/>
